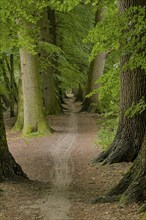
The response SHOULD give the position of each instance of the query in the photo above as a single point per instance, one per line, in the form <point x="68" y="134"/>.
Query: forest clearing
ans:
<point x="73" y="110"/>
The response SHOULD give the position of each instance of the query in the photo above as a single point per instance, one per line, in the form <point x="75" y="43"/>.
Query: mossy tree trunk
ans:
<point x="50" y="97"/>
<point x="20" y="112"/>
<point x="95" y="72"/>
<point x="9" y="169"/>
<point x="34" y="120"/>
<point x="130" y="132"/>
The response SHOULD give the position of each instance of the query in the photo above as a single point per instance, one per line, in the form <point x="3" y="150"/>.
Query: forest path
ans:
<point x="57" y="205"/>
<point x="61" y="180"/>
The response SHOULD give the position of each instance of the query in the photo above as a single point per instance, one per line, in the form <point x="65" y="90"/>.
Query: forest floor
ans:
<point x="62" y="182"/>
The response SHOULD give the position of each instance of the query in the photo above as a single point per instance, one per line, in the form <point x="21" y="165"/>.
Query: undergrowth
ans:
<point x="144" y="216"/>
<point x="107" y="130"/>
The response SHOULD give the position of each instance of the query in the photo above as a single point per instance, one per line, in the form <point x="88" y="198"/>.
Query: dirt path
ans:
<point x="58" y="205"/>
<point x="61" y="180"/>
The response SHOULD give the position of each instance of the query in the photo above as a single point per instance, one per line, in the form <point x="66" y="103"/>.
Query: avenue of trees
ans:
<point x="94" y="48"/>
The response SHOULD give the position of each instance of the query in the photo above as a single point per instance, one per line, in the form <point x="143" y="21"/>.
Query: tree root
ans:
<point x="105" y="199"/>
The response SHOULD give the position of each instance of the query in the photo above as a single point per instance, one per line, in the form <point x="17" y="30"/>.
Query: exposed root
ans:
<point x="105" y="199"/>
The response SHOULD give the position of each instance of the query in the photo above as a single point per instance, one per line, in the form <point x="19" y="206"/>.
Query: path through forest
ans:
<point x="58" y="205"/>
<point x="62" y="182"/>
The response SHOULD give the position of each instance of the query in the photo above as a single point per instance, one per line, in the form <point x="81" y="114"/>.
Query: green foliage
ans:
<point x="105" y="39"/>
<point x="136" y="109"/>
<point x="109" y="91"/>
<point x="106" y="134"/>
<point x="120" y="35"/>
<point x="143" y="217"/>
<point x="108" y="27"/>
<point x="115" y="34"/>
<point x="73" y="27"/>
<point x="3" y="89"/>
<point x="20" y="29"/>
<point x="124" y="33"/>
<point x="109" y="86"/>
<point x="64" y="6"/>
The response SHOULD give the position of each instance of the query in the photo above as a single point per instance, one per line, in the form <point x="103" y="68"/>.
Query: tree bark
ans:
<point x="9" y="169"/>
<point x="20" y="112"/>
<point x="133" y="185"/>
<point x="12" y="86"/>
<point x="50" y="98"/>
<point x="80" y="94"/>
<point x="9" y="70"/>
<point x="130" y="132"/>
<point x="34" y="120"/>
<point x="95" y="72"/>
<point x="6" y="79"/>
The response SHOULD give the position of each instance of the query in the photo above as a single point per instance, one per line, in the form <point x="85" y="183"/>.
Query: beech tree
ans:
<point x="34" y="120"/>
<point x="132" y="186"/>
<point x="95" y="71"/>
<point x="20" y="108"/>
<point x="50" y="96"/>
<point x="130" y="132"/>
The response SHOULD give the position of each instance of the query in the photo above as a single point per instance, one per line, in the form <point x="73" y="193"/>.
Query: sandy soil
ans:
<point x="62" y="183"/>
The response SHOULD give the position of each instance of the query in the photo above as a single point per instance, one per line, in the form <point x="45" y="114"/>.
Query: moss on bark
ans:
<point x="34" y="120"/>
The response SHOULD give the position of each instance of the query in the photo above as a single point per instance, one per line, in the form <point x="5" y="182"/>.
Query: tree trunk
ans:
<point x="132" y="187"/>
<point x="9" y="70"/>
<point x="51" y="101"/>
<point x="9" y="169"/>
<point x="80" y="94"/>
<point x="6" y="79"/>
<point x="130" y="132"/>
<point x="20" y="112"/>
<point x="12" y="86"/>
<point x="52" y="29"/>
<point x="95" y="72"/>
<point x="34" y="120"/>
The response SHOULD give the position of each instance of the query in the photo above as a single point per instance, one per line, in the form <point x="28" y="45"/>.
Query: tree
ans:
<point x="12" y="86"/>
<point x="130" y="132"/>
<point x="72" y="28"/>
<point x="9" y="169"/>
<point x="20" y="111"/>
<point x="79" y="96"/>
<point x="51" y="101"/>
<point x="34" y="120"/>
<point x="133" y="184"/>
<point x="95" y="71"/>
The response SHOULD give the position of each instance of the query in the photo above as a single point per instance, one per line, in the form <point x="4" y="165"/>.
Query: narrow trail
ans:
<point x="57" y="205"/>
<point x="61" y="180"/>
